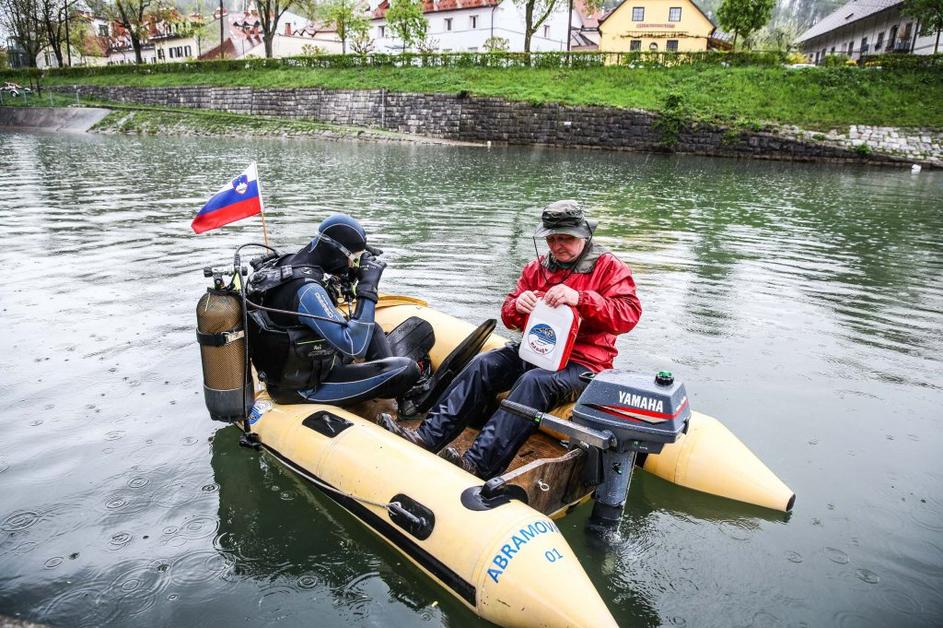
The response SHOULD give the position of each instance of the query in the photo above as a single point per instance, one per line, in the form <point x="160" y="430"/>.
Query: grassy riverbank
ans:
<point x="815" y="98"/>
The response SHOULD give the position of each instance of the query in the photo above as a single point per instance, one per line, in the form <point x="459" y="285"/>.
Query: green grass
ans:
<point x="817" y="98"/>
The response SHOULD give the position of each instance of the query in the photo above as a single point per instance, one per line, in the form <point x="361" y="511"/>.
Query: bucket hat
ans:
<point x="567" y="218"/>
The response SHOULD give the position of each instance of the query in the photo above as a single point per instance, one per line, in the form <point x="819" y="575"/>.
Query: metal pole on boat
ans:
<point x="258" y="182"/>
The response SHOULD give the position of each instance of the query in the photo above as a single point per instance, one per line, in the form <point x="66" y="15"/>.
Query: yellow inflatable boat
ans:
<point x="494" y="545"/>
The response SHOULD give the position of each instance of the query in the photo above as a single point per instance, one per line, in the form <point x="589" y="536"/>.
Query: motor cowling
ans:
<point x="222" y="351"/>
<point x="644" y="413"/>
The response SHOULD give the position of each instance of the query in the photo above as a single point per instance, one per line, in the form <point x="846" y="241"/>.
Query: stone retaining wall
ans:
<point x="76" y="119"/>
<point x="473" y="119"/>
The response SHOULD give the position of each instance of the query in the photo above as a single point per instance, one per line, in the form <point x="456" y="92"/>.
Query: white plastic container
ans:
<point x="549" y="335"/>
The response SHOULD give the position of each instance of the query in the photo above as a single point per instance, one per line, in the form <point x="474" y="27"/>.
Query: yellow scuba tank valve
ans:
<point x="221" y="335"/>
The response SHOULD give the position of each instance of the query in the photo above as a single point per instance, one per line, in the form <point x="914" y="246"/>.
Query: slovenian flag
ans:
<point x="240" y="198"/>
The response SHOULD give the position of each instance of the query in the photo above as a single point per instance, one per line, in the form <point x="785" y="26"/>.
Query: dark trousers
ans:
<point x="470" y="397"/>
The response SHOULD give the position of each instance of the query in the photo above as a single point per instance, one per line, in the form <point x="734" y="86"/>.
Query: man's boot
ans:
<point x="451" y="454"/>
<point x="390" y="425"/>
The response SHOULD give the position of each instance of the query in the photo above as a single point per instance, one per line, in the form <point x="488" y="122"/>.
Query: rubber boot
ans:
<point x="390" y="425"/>
<point x="451" y="454"/>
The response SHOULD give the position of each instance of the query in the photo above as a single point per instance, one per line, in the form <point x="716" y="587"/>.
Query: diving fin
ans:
<point x="413" y="339"/>
<point x="422" y="396"/>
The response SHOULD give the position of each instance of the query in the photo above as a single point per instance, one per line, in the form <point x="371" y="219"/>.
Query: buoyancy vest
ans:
<point x="287" y="354"/>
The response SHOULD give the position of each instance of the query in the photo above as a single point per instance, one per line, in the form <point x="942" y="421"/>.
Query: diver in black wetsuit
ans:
<point x="303" y="359"/>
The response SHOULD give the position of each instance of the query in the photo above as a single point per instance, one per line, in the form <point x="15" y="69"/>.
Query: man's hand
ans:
<point x="526" y="301"/>
<point x="369" y="276"/>
<point x="560" y="295"/>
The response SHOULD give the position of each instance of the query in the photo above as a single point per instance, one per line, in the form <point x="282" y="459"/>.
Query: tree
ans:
<point x="361" y="42"/>
<point x="54" y="15"/>
<point x="536" y="13"/>
<point x="407" y="22"/>
<point x="21" y="19"/>
<point x="539" y="8"/>
<point x="929" y="15"/>
<point x="775" y="37"/>
<point x="270" y="12"/>
<point x="497" y="44"/>
<point x="132" y="15"/>
<point x="194" y="27"/>
<point x="346" y="17"/>
<point x="744" y="17"/>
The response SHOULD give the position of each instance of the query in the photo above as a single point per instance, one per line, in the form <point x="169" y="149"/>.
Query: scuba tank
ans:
<point x="221" y="335"/>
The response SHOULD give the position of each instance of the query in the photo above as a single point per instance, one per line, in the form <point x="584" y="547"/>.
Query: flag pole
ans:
<point x="258" y="183"/>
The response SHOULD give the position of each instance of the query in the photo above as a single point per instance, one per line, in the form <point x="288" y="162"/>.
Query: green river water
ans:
<point x="801" y="304"/>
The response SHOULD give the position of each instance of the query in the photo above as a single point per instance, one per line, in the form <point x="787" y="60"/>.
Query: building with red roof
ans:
<point x="476" y="26"/>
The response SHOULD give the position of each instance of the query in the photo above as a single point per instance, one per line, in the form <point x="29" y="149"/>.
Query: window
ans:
<point x="653" y="46"/>
<point x="103" y="30"/>
<point x="892" y="36"/>
<point x="671" y="45"/>
<point x="832" y="50"/>
<point x="635" y="45"/>
<point x="674" y="14"/>
<point x="171" y="51"/>
<point x="187" y="51"/>
<point x="638" y="14"/>
<point x="160" y="53"/>
<point x="880" y="42"/>
<point x="851" y="47"/>
<point x="546" y="31"/>
<point x="448" y="23"/>
<point x="473" y="21"/>
<point x="864" y="45"/>
<point x="382" y="30"/>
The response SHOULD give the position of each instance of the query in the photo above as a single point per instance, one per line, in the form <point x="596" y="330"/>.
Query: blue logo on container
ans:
<point x="261" y="407"/>
<point x="541" y="338"/>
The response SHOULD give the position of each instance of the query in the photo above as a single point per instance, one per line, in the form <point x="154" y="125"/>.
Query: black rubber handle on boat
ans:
<point x="397" y="508"/>
<point x="525" y="412"/>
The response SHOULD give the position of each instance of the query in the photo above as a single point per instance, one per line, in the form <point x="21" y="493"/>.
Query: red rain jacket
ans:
<point x="607" y="306"/>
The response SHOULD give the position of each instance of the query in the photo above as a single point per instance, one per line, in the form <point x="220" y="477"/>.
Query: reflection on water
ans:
<point x="801" y="305"/>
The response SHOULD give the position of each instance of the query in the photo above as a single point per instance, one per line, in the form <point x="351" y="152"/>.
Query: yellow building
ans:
<point x="655" y="26"/>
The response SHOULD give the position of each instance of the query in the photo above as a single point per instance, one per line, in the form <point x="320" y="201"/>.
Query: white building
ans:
<point x="465" y="25"/>
<point x="864" y="27"/>
<point x="95" y="44"/>
<point x="295" y="35"/>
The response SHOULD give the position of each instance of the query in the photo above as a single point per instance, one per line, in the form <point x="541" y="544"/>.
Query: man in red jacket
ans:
<point x="577" y="272"/>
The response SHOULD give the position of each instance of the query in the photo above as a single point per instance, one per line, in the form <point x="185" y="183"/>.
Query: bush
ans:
<point x="492" y="59"/>
<point x="904" y="62"/>
<point x="834" y="60"/>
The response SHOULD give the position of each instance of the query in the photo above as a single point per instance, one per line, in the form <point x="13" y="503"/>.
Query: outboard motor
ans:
<point x="642" y="413"/>
<point x="222" y="341"/>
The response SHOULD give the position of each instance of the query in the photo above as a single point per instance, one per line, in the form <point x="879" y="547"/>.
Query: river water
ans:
<point x="801" y="304"/>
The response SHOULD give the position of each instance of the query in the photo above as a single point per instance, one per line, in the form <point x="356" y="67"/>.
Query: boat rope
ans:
<point x="327" y="487"/>
<point x="362" y="500"/>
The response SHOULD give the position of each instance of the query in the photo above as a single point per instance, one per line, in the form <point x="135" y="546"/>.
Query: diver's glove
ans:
<point x="368" y="277"/>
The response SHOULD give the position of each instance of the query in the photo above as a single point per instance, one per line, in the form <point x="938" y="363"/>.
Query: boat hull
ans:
<point x="509" y="563"/>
